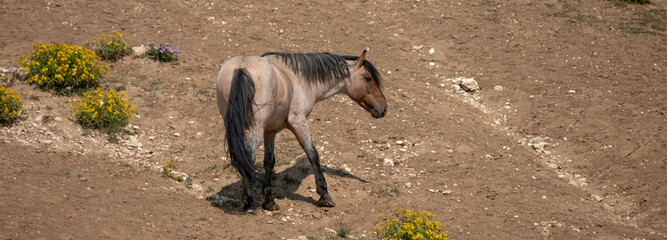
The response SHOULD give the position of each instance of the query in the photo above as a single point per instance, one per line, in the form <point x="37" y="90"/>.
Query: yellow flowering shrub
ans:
<point x="106" y="110"/>
<point x="408" y="224"/>
<point x="63" y="67"/>
<point x="112" y="47"/>
<point x="10" y="105"/>
<point x="169" y="169"/>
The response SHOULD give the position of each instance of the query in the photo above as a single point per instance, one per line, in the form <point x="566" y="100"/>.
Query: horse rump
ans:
<point x="238" y="117"/>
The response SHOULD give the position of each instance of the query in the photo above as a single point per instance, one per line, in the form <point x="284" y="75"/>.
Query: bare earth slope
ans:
<point x="587" y="77"/>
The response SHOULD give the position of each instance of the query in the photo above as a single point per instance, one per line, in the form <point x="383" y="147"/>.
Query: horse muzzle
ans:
<point x="378" y="113"/>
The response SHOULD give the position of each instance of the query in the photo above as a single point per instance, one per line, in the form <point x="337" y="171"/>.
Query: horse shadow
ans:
<point x="284" y="185"/>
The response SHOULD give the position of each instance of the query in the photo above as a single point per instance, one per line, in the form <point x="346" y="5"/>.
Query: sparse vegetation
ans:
<point x="287" y="180"/>
<point x="406" y="224"/>
<point x="625" y="2"/>
<point x="169" y="168"/>
<point x="112" y="47"/>
<point x="162" y="52"/>
<point x="11" y="105"/>
<point x="64" y="68"/>
<point x="105" y="110"/>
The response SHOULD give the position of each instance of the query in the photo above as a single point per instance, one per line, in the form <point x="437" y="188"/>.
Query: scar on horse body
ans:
<point x="266" y="94"/>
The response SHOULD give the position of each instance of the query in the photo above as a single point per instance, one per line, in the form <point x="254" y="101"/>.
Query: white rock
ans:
<point x="498" y="88"/>
<point x="197" y="187"/>
<point x="388" y="162"/>
<point x="431" y="51"/>
<point x="447" y="192"/>
<point x="467" y="84"/>
<point x="140" y="50"/>
<point x="571" y="91"/>
<point x="177" y="134"/>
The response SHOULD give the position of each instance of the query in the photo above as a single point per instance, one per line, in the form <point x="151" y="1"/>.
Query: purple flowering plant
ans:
<point x="162" y="52"/>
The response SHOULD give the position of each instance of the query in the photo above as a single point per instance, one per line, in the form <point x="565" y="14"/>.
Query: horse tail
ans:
<point x="239" y="116"/>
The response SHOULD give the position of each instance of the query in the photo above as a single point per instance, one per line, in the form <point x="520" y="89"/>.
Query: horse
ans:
<point x="266" y="94"/>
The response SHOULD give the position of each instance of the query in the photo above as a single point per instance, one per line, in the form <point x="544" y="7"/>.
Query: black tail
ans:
<point x="239" y="115"/>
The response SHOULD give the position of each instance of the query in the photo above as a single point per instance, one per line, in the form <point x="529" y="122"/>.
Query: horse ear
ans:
<point x="362" y="58"/>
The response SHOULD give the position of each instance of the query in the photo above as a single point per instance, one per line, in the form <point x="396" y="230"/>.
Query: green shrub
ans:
<point x="63" y="67"/>
<point x="10" y="105"/>
<point x="407" y="224"/>
<point x="112" y="47"/>
<point x="105" y="110"/>
<point x="162" y="52"/>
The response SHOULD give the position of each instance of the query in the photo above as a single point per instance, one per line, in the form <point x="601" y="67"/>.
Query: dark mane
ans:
<point x="322" y="67"/>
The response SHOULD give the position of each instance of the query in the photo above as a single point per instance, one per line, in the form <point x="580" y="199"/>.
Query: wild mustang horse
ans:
<point x="266" y="94"/>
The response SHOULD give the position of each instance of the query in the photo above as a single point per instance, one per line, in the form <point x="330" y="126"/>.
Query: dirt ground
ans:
<point x="564" y="139"/>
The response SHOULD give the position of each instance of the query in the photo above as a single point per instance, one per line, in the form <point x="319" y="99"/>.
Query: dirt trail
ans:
<point x="585" y="77"/>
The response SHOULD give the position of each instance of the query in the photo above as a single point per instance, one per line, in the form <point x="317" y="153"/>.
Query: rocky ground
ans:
<point x="515" y="120"/>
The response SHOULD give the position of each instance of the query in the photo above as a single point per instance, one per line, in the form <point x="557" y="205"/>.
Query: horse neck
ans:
<point x="322" y="91"/>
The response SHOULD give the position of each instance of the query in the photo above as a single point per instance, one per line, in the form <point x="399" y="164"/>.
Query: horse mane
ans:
<point x="324" y="67"/>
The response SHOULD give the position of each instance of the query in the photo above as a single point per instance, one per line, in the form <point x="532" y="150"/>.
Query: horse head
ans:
<point x="365" y="87"/>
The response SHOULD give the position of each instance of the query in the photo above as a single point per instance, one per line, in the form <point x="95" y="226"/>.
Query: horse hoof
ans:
<point x="270" y="206"/>
<point x="249" y="211"/>
<point x="326" y="202"/>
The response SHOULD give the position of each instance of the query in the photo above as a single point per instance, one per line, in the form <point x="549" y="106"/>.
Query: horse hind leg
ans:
<point x="269" y="163"/>
<point x="252" y="145"/>
<point x="248" y="204"/>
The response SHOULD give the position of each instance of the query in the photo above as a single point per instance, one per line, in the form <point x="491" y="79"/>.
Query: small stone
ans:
<point x="140" y="50"/>
<point x="571" y="91"/>
<point x="151" y="138"/>
<point x="57" y="119"/>
<point x="598" y="198"/>
<point x="388" y="162"/>
<point x="177" y="134"/>
<point x="431" y="51"/>
<point x="408" y="185"/>
<point x="498" y="88"/>
<point x="447" y="192"/>
<point x="531" y="96"/>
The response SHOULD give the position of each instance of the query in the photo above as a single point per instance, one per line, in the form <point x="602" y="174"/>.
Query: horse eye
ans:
<point x="368" y="79"/>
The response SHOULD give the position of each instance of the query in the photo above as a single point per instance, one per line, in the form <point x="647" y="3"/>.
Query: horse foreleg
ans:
<point x="269" y="163"/>
<point x="300" y="130"/>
